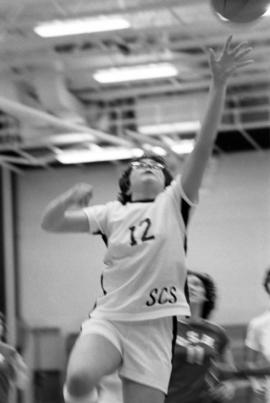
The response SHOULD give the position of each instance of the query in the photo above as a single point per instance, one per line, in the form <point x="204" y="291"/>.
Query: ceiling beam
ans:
<point x="27" y="113"/>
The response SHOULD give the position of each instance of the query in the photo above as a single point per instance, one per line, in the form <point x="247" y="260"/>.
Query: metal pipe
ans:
<point x="24" y="112"/>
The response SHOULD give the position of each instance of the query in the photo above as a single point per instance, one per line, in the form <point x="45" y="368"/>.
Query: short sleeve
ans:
<point x="97" y="218"/>
<point x="252" y="338"/>
<point x="177" y="192"/>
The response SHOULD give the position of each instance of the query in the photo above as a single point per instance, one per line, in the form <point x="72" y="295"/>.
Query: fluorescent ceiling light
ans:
<point x="98" y="154"/>
<point x="165" y="128"/>
<point x="132" y="73"/>
<point x="81" y="26"/>
<point x="183" y="147"/>
<point x="267" y="13"/>
<point x="155" y="149"/>
<point x="70" y="138"/>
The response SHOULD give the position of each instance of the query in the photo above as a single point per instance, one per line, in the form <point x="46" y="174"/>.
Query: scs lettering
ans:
<point x="161" y="296"/>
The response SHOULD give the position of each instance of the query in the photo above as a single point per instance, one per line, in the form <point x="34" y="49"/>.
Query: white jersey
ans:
<point x="258" y="335"/>
<point x="145" y="273"/>
<point x="258" y="339"/>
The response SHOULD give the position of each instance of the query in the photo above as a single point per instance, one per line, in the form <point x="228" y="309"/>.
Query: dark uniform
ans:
<point x="198" y="343"/>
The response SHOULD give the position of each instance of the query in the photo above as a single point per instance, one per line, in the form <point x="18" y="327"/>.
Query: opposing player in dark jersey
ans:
<point x="203" y="366"/>
<point x="131" y="328"/>
<point x="199" y="345"/>
<point x="13" y="370"/>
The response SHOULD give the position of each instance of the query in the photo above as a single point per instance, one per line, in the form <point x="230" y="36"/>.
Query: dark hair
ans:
<point x="124" y="182"/>
<point x="210" y="292"/>
<point x="266" y="281"/>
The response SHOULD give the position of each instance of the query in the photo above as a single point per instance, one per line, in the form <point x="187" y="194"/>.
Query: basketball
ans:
<point x="239" y="11"/>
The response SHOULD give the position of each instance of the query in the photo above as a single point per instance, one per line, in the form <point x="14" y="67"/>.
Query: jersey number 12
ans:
<point x="145" y="235"/>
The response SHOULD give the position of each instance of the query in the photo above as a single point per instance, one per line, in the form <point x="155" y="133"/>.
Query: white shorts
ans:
<point x="146" y="347"/>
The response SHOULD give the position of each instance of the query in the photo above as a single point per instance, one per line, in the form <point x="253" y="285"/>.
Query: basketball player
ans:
<point x="199" y="344"/>
<point x="13" y="370"/>
<point x="203" y="366"/>
<point x="131" y="328"/>
<point x="258" y="348"/>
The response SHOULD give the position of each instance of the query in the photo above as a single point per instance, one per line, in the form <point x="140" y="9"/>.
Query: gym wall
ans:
<point x="229" y="237"/>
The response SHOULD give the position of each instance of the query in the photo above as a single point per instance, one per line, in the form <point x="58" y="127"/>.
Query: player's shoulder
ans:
<point x="105" y="207"/>
<point x="114" y="204"/>
<point x="183" y="322"/>
<point x="260" y="320"/>
<point x="7" y="349"/>
<point x="176" y="191"/>
<point x="201" y="323"/>
<point x="215" y="327"/>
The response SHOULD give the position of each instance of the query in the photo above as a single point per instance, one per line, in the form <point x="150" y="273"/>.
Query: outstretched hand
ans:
<point x="230" y="59"/>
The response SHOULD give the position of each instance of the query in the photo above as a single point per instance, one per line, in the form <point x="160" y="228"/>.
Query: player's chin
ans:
<point x="148" y="173"/>
<point x="194" y="299"/>
<point x="150" y="179"/>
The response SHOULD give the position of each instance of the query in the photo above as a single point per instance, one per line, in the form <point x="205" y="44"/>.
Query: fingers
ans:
<point x="231" y="59"/>
<point x="212" y="55"/>
<point x="245" y="63"/>
<point x="85" y="201"/>
<point x="242" y="52"/>
<point x="82" y="194"/>
<point x="86" y="198"/>
<point x="237" y="51"/>
<point x="238" y="47"/>
<point x="239" y="54"/>
<point x="239" y="65"/>
<point x="227" y="45"/>
<point x="232" y="69"/>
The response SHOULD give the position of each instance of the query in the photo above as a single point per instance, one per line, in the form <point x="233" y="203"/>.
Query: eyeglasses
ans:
<point x="147" y="164"/>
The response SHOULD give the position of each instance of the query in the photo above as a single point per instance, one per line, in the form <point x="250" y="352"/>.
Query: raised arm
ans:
<point x="65" y="214"/>
<point x="222" y="67"/>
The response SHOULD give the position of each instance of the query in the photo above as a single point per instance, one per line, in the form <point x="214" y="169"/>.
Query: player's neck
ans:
<point x="196" y="311"/>
<point x="146" y="194"/>
<point x="146" y="189"/>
